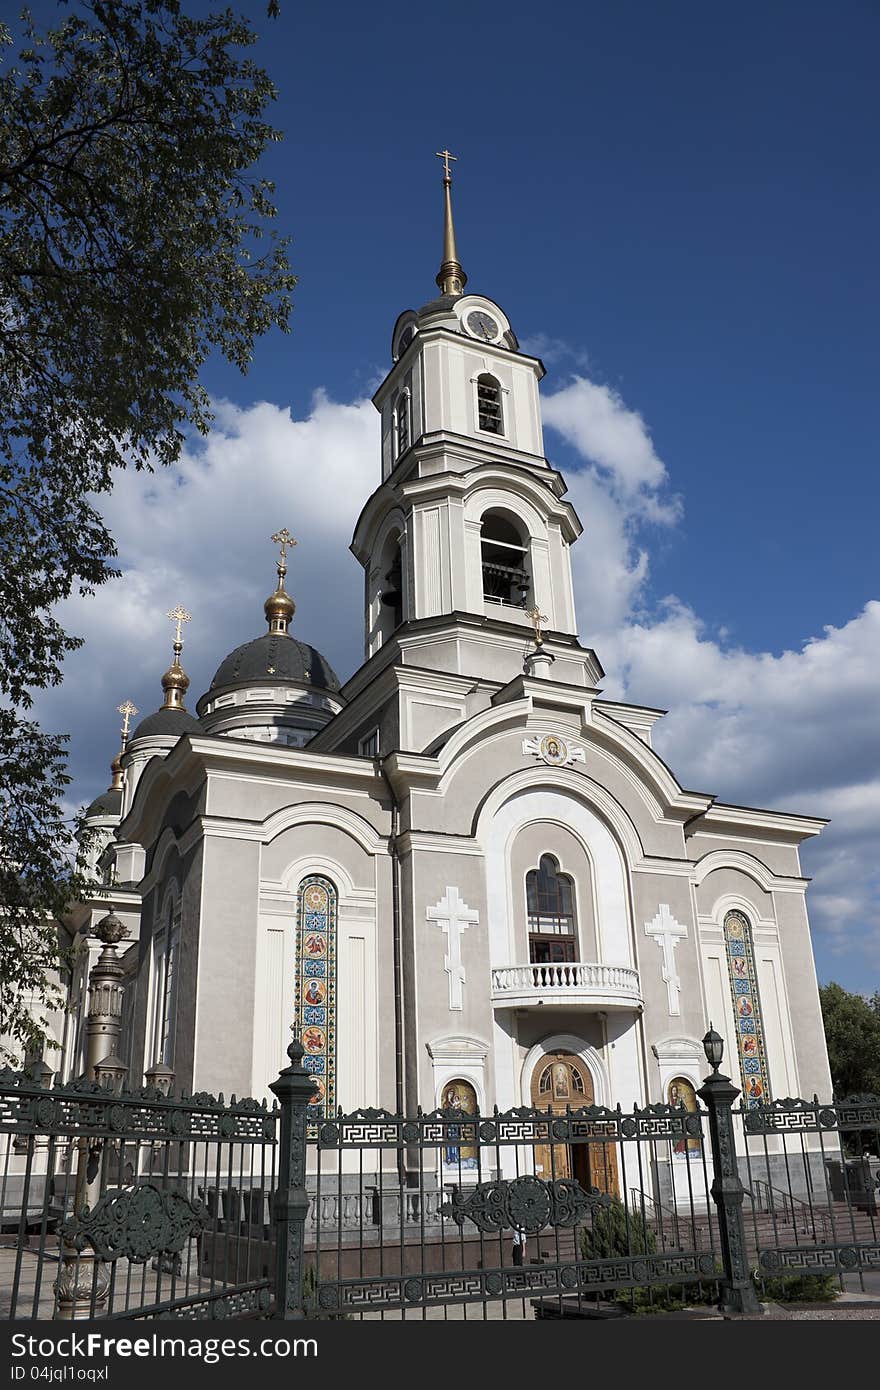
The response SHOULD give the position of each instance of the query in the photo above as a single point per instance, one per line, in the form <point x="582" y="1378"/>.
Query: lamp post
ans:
<point x="738" y="1294"/>
<point x="295" y="1089"/>
<point x="84" y="1280"/>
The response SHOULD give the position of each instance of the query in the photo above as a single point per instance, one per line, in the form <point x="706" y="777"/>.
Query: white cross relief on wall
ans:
<point x="453" y="916"/>
<point x="667" y="933"/>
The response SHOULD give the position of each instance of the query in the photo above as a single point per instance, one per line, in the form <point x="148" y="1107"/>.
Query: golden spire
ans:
<point x="450" y="277"/>
<point x="175" y="681"/>
<point x="127" y="710"/>
<point x="280" y="607"/>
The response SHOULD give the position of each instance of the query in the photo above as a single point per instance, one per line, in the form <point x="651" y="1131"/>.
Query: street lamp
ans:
<point x="713" y="1046"/>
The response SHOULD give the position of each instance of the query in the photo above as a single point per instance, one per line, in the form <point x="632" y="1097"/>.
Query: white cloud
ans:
<point x="199" y="534"/>
<point x="795" y="730"/>
<point x="615" y="440"/>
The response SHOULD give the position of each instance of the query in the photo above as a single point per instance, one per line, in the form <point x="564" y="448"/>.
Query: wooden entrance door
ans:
<point x="560" y="1080"/>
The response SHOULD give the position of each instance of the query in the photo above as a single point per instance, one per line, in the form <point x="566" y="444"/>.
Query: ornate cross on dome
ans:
<point x="537" y="618"/>
<point x="179" y="616"/>
<point x="445" y="155"/>
<point x="284" y="539"/>
<point x="128" y="711"/>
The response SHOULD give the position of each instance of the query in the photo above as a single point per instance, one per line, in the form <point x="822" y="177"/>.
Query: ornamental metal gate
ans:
<point x="485" y="1215"/>
<point x="811" y="1174"/>
<point x="138" y="1204"/>
<point x="133" y="1205"/>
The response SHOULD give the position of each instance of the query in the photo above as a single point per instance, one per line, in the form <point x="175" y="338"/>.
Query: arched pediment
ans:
<point x="736" y="859"/>
<point x="490" y="486"/>
<point x="324" y="813"/>
<point x="646" y="791"/>
<point x="146" y="814"/>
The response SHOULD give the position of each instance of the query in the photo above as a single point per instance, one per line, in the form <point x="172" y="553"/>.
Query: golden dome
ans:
<point x="175" y="683"/>
<point x="279" y="608"/>
<point x="116" y="769"/>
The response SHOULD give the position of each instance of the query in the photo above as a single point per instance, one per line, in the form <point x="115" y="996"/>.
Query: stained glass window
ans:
<point x="746" y="1009"/>
<point x="315" y="1010"/>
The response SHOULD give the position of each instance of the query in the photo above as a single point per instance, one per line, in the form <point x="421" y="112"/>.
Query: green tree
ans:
<point x="135" y="240"/>
<point x="852" y="1031"/>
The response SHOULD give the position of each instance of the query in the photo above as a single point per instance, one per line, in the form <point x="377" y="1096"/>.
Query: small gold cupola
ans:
<point x="280" y="607"/>
<point x="175" y="681"/>
<point x="450" y="277"/>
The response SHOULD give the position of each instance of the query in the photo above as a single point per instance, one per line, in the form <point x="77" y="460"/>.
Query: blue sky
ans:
<point x="686" y="194"/>
<point x="678" y="204"/>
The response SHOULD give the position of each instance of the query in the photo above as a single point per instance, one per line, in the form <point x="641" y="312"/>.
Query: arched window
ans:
<point x="489" y="413"/>
<point x="550" y="909"/>
<point x="315" y="1003"/>
<point x="746" y="1009"/>
<point x="403" y="431"/>
<point x="503" y="553"/>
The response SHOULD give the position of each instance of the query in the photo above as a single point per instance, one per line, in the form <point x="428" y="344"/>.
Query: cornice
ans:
<point x="789" y="828"/>
<point x="437" y="333"/>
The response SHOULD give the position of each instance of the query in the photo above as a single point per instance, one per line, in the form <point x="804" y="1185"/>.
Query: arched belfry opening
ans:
<point x="391" y="587"/>
<point x="504" y="554"/>
<point x="490" y="416"/>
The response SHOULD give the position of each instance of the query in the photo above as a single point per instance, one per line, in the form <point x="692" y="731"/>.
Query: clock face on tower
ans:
<point x="482" y="325"/>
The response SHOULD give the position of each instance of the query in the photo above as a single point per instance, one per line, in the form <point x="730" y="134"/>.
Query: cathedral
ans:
<point x="463" y="876"/>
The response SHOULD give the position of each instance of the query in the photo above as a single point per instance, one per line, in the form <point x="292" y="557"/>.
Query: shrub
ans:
<point x="799" y="1288"/>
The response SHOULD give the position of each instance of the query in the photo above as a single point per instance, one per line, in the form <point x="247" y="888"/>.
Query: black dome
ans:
<point x="442" y="304"/>
<point x="276" y="656"/>
<point x="109" y="803"/>
<point x="170" y="722"/>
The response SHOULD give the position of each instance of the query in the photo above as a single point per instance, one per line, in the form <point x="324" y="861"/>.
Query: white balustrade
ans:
<point x="571" y="982"/>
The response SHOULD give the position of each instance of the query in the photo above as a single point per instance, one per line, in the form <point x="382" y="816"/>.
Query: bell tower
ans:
<point x="469" y="529"/>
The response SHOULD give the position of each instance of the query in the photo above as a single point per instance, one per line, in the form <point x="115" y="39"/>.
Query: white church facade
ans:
<point x="463" y="876"/>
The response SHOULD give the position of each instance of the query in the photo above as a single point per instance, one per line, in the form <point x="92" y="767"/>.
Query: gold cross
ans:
<point x="446" y="156"/>
<point x="179" y="616"/>
<point x="537" y="618"/>
<point x="284" y="539"/>
<point x="127" y="710"/>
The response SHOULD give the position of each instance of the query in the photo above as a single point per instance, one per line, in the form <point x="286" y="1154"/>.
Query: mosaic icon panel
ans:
<point x="746" y="1010"/>
<point x="315" y="1004"/>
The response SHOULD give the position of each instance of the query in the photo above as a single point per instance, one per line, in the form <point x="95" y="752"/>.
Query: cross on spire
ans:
<point x="179" y="615"/>
<point x="446" y="155"/>
<point x="451" y="278"/>
<point x="284" y="539"/>
<point x="128" y="711"/>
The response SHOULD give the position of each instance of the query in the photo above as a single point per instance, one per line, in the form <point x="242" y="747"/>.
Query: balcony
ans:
<point x="575" y="985"/>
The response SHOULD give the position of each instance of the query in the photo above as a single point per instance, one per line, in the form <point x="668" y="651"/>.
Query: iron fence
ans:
<point x="134" y="1204"/>
<point x="142" y="1205"/>
<point x="811" y="1172"/>
<point x="507" y="1214"/>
